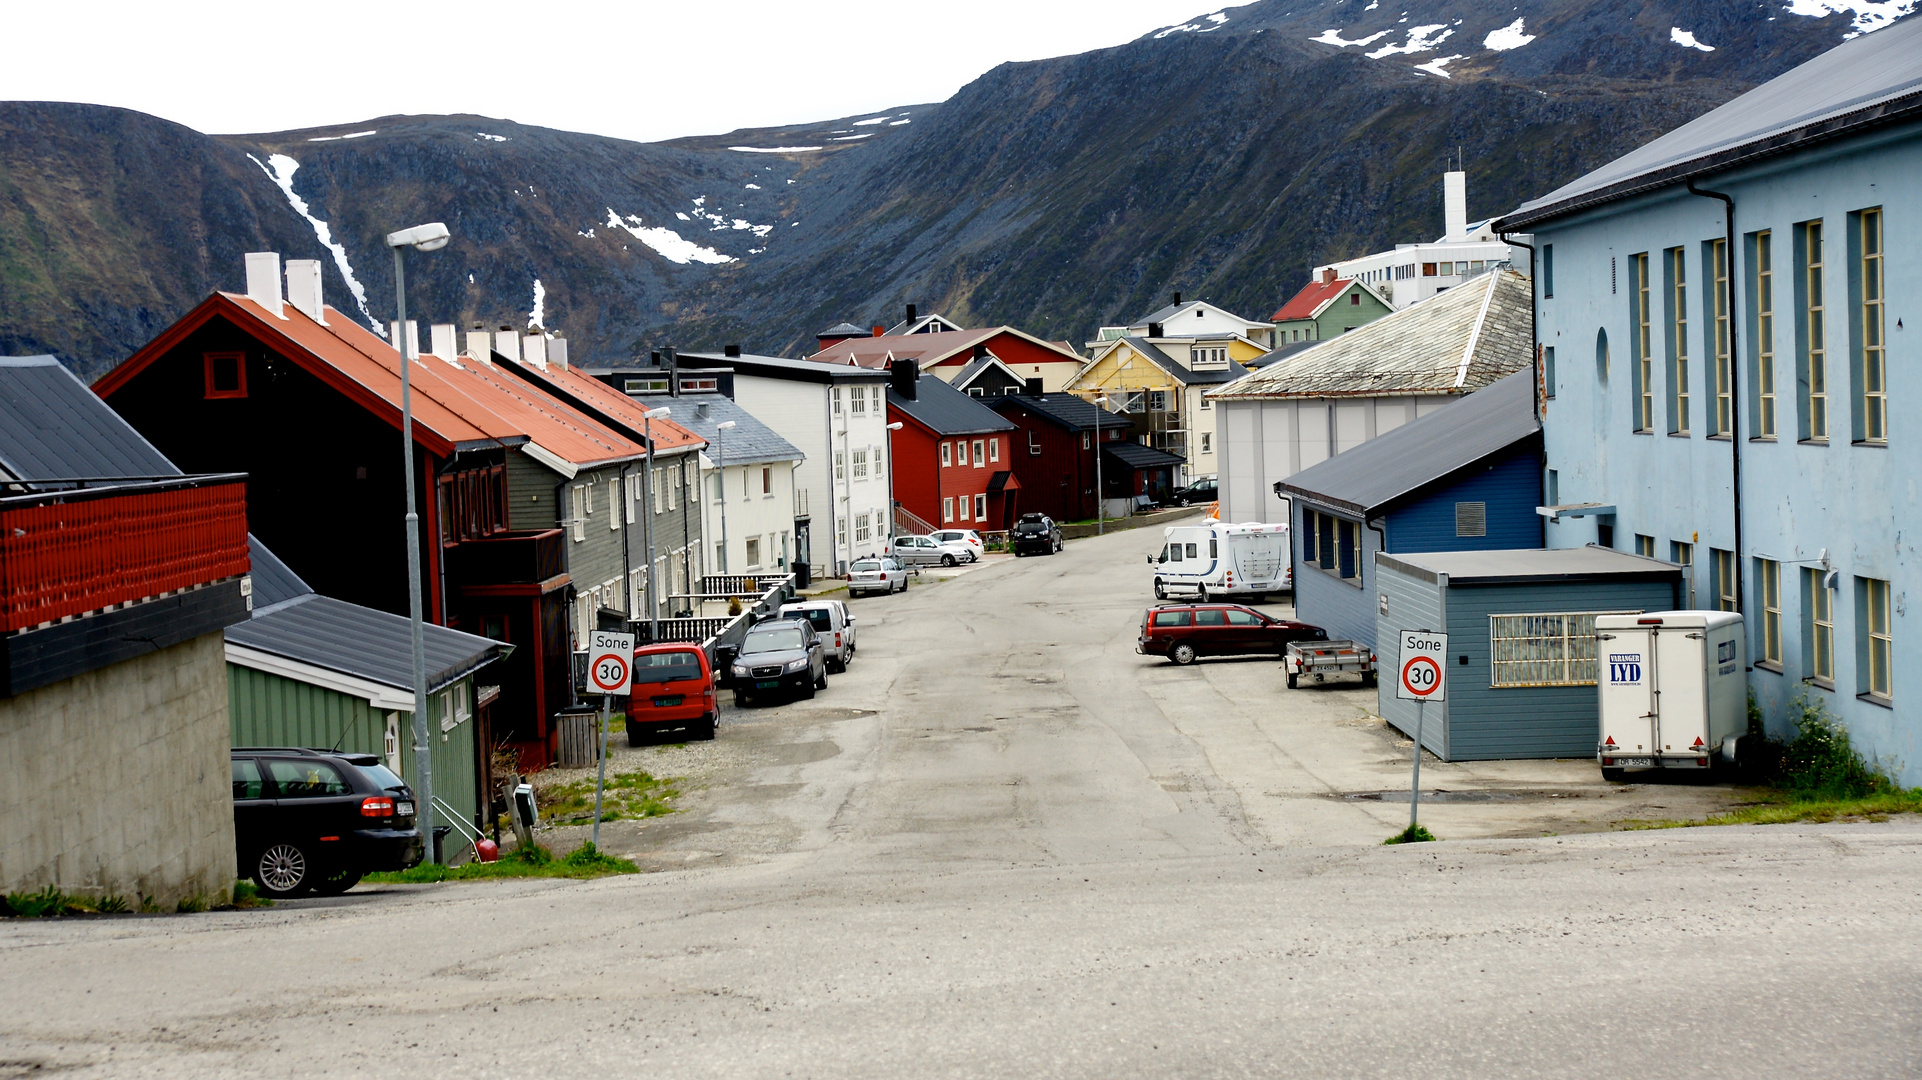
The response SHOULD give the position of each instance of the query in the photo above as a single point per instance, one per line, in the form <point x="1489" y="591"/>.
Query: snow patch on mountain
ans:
<point x="536" y="317"/>
<point x="282" y="174"/>
<point x="771" y="149"/>
<point x="1508" y="37"/>
<point x="1439" y="66"/>
<point x="1687" y="40"/>
<point x="349" y="135"/>
<point x="1420" y="39"/>
<point x="1333" y="37"/>
<point x="1869" y="15"/>
<point x="665" y="242"/>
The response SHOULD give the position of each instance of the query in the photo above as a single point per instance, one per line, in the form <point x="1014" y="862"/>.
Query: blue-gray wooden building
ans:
<point x="1521" y="642"/>
<point x="1732" y="384"/>
<point x="1463" y="478"/>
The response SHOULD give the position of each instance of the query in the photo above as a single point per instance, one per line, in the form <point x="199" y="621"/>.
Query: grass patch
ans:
<point x="536" y="862"/>
<point x="1414" y="834"/>
<point x="628" y="795"/>
<point x="50" y="902"/>
<point x="247" y="895"/>
<point x="1783" y="809"/>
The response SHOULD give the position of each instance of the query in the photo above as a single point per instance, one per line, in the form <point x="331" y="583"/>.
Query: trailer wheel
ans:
<point x="1611" y="775"/>
<point x="1291" y="680"/>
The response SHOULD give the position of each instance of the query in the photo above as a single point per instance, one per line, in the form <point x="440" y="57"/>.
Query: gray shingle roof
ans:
<point x="1280" y="353"/>
<point x="846" y="329"/>
<point x="749" y="442"/>
<point x="1184" y="375"/>
<point x="1386" y="469"/>
<point x="1066" y="410"/>
<point x="53" y="426"/>
<point x="362" y="642"/>
<point x="1136" y="456"/>
<point x="1162" y="315"/>
<point x="976" y="367"/>
<point x="274" y="581"/>
<point x="947" y="411"/>
<point x="1869" y="80"/>
<point x="1417" y="350"/>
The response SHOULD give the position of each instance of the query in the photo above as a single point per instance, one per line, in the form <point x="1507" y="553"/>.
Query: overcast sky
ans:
<point x="650" y="70"/>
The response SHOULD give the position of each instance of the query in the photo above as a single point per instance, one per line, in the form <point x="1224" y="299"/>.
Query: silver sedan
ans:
<point x="869" y="576"/>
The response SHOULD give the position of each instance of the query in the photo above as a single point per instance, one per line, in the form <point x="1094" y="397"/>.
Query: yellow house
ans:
<point x="1158" y="381"/>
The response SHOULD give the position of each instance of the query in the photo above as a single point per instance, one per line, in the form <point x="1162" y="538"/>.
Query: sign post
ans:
<point x="610" y="671"/>
<point x="1423" y="678"/>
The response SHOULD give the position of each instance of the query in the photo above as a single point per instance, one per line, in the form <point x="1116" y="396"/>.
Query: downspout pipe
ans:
<point x="1734" y="366"/>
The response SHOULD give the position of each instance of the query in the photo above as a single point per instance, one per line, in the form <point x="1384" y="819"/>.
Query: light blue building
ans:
<point x="1752" y="409"/>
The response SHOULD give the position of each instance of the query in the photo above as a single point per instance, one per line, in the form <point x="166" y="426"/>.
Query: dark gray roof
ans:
<point x="1281" y="353"/>
<point x="1136" y="456"/>
<point x="780" y="367"/>
<point x="362" y="642"/>
<point x="975" y="367"/>
<point x="748" y="442"/>
<point x="1066" y="410"/>
<point x="1871" y="80"/>
<point x="1390" y="467"/>
<point x="947" y="411"/>
<point x="274" y="581"/>
<point x="1162" y="315"/>
<point x="846" y="329"/>
<point x="1184" y="375"/>
<point x="1525" y="564"/>
<point x="53" y="426"/>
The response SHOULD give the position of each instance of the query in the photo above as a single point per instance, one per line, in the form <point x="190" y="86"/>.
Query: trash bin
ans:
<point x="440" y="842"/>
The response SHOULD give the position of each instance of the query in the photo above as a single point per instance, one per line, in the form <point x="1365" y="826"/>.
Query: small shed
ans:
<point x="1521" y="642"/>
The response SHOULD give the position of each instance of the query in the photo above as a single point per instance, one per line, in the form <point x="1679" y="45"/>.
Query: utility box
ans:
<point x="1673" y="687"/>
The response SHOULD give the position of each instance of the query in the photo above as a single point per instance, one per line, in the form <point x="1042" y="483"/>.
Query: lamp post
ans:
<point x="429" y="237"/>
<point x="647" y="518"/>
<point x="1101" y="408"/>
<point x="888" y="544"/>
<point x="720" y="470"/>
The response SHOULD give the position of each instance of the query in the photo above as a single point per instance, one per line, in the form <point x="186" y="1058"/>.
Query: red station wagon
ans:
<point x="673" y="690"/>
<point x="1183" y="632"/>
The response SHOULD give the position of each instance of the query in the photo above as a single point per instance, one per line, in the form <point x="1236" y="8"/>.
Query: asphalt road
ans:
<point x="1004" y="845"/>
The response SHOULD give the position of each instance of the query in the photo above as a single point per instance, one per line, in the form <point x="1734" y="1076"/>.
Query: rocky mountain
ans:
<point x="1222" y="157"/>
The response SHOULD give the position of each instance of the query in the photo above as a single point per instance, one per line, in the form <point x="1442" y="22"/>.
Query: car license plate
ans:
<point x="1633" y="762"/>
<point x="767" y="684"/>
<point x="667" y="702"/>
<point x="404" y="809"/>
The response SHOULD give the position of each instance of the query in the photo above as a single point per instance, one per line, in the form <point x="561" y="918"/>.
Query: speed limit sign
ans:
<point x="1424" y="666"/>
<point x="610" y="662"/>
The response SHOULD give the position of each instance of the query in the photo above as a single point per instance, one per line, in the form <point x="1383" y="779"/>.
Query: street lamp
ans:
<point x="429" y="237"/>
<point x="1101" y="407"/>
<point x="720" y="470"/>
<point x="889" y="543"/>
<point x="647" y="518"/>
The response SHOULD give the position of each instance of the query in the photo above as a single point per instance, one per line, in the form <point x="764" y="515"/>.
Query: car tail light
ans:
<point x="378" y="806"/>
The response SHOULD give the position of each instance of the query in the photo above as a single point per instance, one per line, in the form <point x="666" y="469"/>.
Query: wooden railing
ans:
<point x="509" y="558"/>
<point x="80" y="549"/>
<point x="738" y="586"/>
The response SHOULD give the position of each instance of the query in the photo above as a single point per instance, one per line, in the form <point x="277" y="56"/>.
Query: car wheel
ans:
<point x="702" y="730"/>
<point x="947" y="560"/>
<point x="1613" y="776"/>
<point x="741" y="700"/>
<point x="1161" y="591"/>
<point x="822" y="682"/>
<point x="282" y="871"/>
<point x="636" y="734"/>
<point x="1292" y="681"/>
<point x="1182" y="653"/>
<point x="336" y="883"/>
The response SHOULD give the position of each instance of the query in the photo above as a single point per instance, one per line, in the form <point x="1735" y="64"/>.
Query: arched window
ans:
<point x="1601" y="356"/>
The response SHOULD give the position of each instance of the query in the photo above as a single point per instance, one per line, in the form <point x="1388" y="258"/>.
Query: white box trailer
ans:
<point x="1674" y="689"/>
<point x="1212" y="561"/>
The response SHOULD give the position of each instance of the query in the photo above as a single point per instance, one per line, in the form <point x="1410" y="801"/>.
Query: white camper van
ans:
<point x="1212" y="560"/>
<point x="1674" y="689"/>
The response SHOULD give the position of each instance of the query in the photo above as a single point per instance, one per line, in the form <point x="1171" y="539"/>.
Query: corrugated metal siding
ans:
<point x="1413" y="604"/>
<point x="530" y="493"/>
<point x="1485" y="723"/>
<point x="1334" y="604"/>
<point x="1511" y="489"/>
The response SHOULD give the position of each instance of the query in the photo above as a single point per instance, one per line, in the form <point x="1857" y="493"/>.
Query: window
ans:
<point x="841" y="532"/>
<point x="980" y="456"/>
<point x="994" y="449"/>
<point x="1461" y="268"/>
<point x="767" y="480"/>
<point x="654" y="482"/>
<point x="980" y="508"/>
<point x="1427" y="269"/>
<point x="1811" y="333"/>
<point x="1171" y="618"/>
<point x="1207" y="403"/>
<point x="861" y="464"/>
<point x="1542" y="650"/>
<point x="1554" y="485"/>
<point x="1238" y="617"/>
<point x="1645" y="546"/>
<point x="646" y="386"/>
<point x="753" y="552"/>
<point x="1762" y="299"/>
<point x="879" y="394"/>
<point x="1210" y="617"/>
<point x="1207" y="442"/>
<point x="1471" y="519"/>
<point x="672" y="485"/>
<point x="1642" y="343"/>
<point x="863" y="532"/>
<point x="629" y="497"/>
<point x="1548" y="371"/>
<point x="720" y="492"/>
<point x="946" y="456"/>
<point x="1722" y="422"/>
<point x="841" y="466"/>
<point x="858" y="404"/>
<point x="947" y="509"/>
<point x="577" y="515"/>
<point x="472" y="503"/>
<point x="614" y="504"/>
<point x="1683" y="555"/>
<point x="226" y="374"/>
<point x="835" y="396"/>
<point x="247" y="781"/>
<point x="1721" y="564"/>
<point x="307" y="779"/>
<point x="964" y="508"/>
<point x="1036" y="449"/>
<point x="1548" y="271"/>
<point x="1675" y="265"/>
<point x="1768" y="582"/>
<point x="1325" y="527"/>
<point x="1347" y="535"/>
<point x="1871" y="346"/>
<point x="1310" y="550"/>
<point x="698" y="385"/>
<point x="1819" y="627"/>
<point x="1873" y="601"/>
<point x="977" y="391"/>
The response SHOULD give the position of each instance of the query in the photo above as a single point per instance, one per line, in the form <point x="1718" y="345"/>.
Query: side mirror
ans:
<point x="1151" y="560"/>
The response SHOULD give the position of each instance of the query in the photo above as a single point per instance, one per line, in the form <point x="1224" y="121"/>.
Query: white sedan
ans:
<point x="968" y="538"/>
<point x="869" y="576"/>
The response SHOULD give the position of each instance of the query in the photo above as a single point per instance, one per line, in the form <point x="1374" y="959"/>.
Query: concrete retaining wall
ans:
<point x="115" y="781"/>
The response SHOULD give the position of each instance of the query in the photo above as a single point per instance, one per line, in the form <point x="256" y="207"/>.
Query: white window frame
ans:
<point x="835" y="394"/>
<point x="947" y="509"/>
<point x="840" y="466"/>
<point x="577" y="521"/>
<point x="1207" y="442"/>
<point x="751" y="552"/>
<point x="980" y="508"/>
<point x="863" y="528"/>
<point x="994" y="449"/>
<point x="1560" y="650"/>
<point x="614" y="504"/>
<point x="858" y="403"/>
<point x="947" y="457"/>
<point x="861" y="463"/>
<point x="631" y="496"/>
<point x="980" y="455"/>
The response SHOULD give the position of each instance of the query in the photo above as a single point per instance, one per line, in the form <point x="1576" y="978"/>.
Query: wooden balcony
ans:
<point x="508" y="559"/>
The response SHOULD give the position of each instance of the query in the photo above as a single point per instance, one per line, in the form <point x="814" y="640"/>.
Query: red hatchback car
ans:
<point x="1183" y="632"/>
<point x="673" y="691"/>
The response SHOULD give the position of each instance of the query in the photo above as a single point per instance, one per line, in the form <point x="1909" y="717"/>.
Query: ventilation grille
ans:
<point x="1471" y="519"/>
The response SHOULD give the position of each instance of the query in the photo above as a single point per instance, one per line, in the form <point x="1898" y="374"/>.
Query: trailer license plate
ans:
<point x="1634" y="762"/>
<point x="767" y="684"/>
<point x="667" y="702"/>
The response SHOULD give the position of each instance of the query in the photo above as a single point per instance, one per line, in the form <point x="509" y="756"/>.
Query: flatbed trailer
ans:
<point x="1320" y="659"/>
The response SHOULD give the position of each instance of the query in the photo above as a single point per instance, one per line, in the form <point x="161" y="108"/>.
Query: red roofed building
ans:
<point x="1328" y="307"/>
<point x="526" y="495"/>
<point x="958" y="356"/>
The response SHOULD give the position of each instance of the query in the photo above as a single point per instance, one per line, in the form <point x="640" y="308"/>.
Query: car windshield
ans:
<point x="1029" y="527"/>
<point x="866" y="566"/>
<point x="774" y="641"/>
<point x="383" y="777"/>
<point x="667" y="666"/>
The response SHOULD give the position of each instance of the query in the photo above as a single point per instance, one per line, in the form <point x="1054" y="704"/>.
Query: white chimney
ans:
<point x="263" y="280"/>
<point x="557" y="351"/>
<point x="508" y="343"/>
<point x="1455" y="206"/>
<point x="412" y="337"/>
<point x="442" y="335"/>
<point x="535" y="349"/>
<point x="303" y="288"/>
<point x="480" y="345"/>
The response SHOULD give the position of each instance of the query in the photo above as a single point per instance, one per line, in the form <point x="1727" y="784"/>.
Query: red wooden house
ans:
<point x="1054" y="452"/>
<point x="953" y="355"/>
<point x="951" y="455"/>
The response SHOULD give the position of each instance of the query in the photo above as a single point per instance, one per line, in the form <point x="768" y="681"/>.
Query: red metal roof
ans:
<point x="1310" y="300"/>
<point x="615" y="405"/>
<point x="926" y="349"/>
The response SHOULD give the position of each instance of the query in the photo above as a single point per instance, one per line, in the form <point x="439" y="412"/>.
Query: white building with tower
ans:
<point x="1414" y="272"/>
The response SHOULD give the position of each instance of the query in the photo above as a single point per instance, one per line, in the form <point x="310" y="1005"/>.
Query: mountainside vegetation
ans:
<point x="1223" y="158"/>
